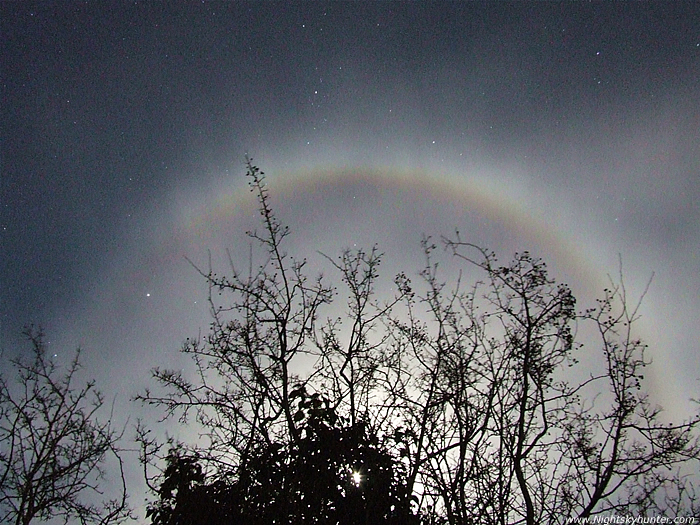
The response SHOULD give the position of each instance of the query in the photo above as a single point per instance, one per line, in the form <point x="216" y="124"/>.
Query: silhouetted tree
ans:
<point x="53" y="448"/>
<point x="335" y="473"/>
<point x="461" y="404"/>
<point x="496" y="432"/>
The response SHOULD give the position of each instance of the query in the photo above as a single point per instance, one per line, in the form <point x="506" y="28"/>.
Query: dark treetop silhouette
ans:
<point x="438" y="405"/>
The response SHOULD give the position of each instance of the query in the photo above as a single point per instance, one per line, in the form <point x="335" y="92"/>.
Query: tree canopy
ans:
<point x="444" y="403"/>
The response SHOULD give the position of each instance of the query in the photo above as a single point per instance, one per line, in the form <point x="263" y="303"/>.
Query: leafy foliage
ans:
<point x="335" y="473"/>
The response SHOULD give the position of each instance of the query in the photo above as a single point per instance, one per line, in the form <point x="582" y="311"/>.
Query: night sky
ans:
<point x="568" y="129"/>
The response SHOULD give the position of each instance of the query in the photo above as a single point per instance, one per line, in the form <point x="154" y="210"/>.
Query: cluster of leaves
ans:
<point x="452" y="403"/>
<point x="335" y="473"/>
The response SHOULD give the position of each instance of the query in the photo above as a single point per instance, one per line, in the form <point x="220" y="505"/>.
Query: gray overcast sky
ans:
<point x="569" y="129"/>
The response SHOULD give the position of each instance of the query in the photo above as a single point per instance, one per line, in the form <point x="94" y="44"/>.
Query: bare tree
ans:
<point x="246" y="368"/>
<point x="474" y="392"/>
<point x="53" y="448"/>
<point x="499" y="427"/>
